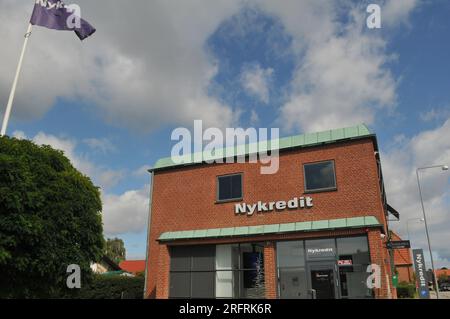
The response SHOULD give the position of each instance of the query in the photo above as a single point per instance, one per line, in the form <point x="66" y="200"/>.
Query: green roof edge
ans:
<point x="285" y="143"/>
<point x="240" y="231"/>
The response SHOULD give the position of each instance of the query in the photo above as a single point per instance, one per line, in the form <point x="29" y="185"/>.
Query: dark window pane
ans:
<point x="320" y="176"/>
<point x="180" y="285"/>
<point x="224" y="188"/>
<point x="290" y="254"/>
<point x="203" y="284"/>
<point x="353" y="250"/>
<point x="254" y="268"/>
<point x="236" y="186"/>
<point x="353" y="283"/>
<point x="180" y="259"/>
<point x="203" y="257"/>
<point x="230" y="187"/>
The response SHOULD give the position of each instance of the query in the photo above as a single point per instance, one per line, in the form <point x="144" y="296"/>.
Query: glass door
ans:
<point x="323" y="280"/>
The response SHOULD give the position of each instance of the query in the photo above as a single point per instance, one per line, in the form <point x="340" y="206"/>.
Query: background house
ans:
<point x="403" y="262"/>
<point x="133" y="266"/>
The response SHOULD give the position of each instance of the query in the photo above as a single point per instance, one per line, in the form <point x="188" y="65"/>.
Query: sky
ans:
<point x="111" y="102"/>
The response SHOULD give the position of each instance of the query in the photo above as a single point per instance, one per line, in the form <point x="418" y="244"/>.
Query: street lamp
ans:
<point x="407" y="224"/>
<point x="444" y="168"/>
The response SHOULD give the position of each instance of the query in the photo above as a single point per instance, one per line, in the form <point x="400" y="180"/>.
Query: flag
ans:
<point x="58" y="16"/>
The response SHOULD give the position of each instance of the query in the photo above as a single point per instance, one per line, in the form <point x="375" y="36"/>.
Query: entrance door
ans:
<point x="323" y="281"/>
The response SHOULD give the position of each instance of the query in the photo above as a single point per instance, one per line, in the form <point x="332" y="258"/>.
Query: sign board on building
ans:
<point x="264" y="207"/>
<point x="399" y="244"/>
<point x="421" y="273"/>
<point x="312" y="253"/>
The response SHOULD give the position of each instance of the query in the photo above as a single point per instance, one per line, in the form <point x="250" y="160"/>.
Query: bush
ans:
<point x="110" y="287"/>
<point x="406" y="290"/>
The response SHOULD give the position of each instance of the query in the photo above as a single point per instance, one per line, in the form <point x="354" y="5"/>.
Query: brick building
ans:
<point x="403" y="261"/>
<point x="308" y="231"/>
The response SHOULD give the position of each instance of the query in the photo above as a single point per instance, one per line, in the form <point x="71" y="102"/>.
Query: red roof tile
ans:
<point x="133" y="266"/>
<point x="440" y="272"/>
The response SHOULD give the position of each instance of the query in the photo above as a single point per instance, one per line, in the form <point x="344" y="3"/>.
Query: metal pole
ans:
<point x="407" y="229"/>
<point x="16" y="79"/>
<point x="428" y="237"/>
<point x="149" y="225"/>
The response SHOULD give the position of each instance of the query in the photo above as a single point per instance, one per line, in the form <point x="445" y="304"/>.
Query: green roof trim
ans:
<point x="304" y="140"/>
<point x="319" y="225"/>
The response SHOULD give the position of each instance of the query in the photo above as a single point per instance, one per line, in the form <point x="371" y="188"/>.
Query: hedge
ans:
<point x="406" y="290"/>
<point x="110" y="287"/>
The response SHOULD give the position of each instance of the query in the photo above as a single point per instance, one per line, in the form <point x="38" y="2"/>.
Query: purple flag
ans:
<point x="58" y="16"/>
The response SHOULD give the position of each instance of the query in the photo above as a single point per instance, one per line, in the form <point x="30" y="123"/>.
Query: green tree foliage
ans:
<point x="406" y="290"/>
<point x="443" y="278"/>
<point x="50" y="217"/>
<point x="115" y="249"/>
<point x="110" y="287"/>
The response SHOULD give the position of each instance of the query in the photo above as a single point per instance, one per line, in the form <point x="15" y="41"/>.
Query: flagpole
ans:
<point x="16" y="78"/>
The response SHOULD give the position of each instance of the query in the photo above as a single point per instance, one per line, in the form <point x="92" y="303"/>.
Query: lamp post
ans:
<point x="407" y="224"/>
<point x="444" y="168"/>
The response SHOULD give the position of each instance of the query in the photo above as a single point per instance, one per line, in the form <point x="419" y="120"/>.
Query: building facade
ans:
<point x="402" y="261"/>
<point x="311" y="230"/>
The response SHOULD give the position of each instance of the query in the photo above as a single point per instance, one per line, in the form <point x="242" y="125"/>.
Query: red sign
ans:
<point x="345" y="262"/>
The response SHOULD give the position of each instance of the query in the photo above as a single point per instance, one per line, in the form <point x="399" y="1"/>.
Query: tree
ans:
<point x="50" y="217"/>
<point x="115" y="249"/>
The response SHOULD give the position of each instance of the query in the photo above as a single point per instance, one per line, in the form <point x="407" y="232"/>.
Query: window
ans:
<point x="229" y="187"/>
<point x="319" y="176"/>
<point x="353" y="260"/>
<point x="240" y="271"/>
<point x="217" y="271"/>
<point x="292" y="282"/>
<point x="192" y="272"/>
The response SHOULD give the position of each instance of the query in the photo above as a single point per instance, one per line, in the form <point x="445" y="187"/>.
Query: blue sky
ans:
<point x="112" y="101"/>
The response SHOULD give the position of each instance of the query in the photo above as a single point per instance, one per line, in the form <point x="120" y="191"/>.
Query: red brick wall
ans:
<point x="162" y="286"/>
<point x="270" y="270"/>
<point x="405" y="273"/>
<point x="380" y="256"/>
<point x="185" y="198"/>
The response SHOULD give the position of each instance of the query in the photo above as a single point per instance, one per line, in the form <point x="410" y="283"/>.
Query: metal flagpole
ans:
<point x="16" y="78"/>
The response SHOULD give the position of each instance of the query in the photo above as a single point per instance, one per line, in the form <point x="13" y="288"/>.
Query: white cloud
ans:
<point x="399" y="164"/>
<point x="127" y="212"/>
<point x="254" y="118"/>
<point x="394" y="12"/>
<point x="435" y="114"/>
<point x="142" y="171"/>
<point x="256" y="81"/>
<point x="104" y="177"/>
<point x="102" y="145"/>
<point x="341" y="76"/>
<point x="146" y="65"/>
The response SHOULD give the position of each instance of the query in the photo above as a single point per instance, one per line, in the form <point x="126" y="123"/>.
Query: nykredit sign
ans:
<point x="421" y="273"/>
<point x="264" y="207"/>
